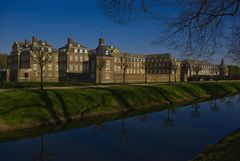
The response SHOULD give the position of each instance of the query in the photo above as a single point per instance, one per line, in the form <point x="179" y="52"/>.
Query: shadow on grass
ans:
<point x="47" y="104"/>
<point x="63" y="105"/>
<point x="89" y="109"/>
<point x="164" y="93"/>
<point x="119" y="97"/>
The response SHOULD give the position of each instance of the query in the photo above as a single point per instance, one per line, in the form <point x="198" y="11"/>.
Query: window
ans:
<point x="70" y="57"/>
<point x="49" y="50"/>
<point x="119" y="68"/>
<point x="44" y="67"/>
<point x="106" y="52"/>
<point x="81" y="51"/>
<point x="85" y="51"/>
<point x="85" y="67"/>
<point x="70" y="67"/>
<point x="80" y="67"/>
<point x="56" y="57"/>
<point x="49" y="66"/>
<point x="85" y="58"/>
<point x="26" y="75"/>
<point x="76" y="67"/>
<point x="76" y="57"/>
<point x="107" y="76"/>
<point x="35" y="74"/>
<point x="49" y="74"/>
<point x="56" y="67"/>
<point x="81" y="58"/>
<point x="75" y="50"/>
<point x="115" y="60"/>
<point x="108" y="65"/>
<point x="34" y="66"/>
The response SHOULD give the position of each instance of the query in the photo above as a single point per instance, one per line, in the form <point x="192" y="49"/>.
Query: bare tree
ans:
<point x="3" y="66"/>
<point x="196" y="28"/>
<point x="174" y="69"/>
<point x="124" y="63"/>
<point x="100" y="64"/>
<point x="42" y="57"/>
<point x="145" y="67"/>
<point x="197" y="68"/>
<point x="214" y="70"/>
<point x="234" y="48"/>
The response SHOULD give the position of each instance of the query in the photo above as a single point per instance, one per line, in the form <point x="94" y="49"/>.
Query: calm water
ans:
<point x="172" y="135"/>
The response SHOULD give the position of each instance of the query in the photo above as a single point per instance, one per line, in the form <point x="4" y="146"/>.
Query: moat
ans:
<point x="177" y="134"/>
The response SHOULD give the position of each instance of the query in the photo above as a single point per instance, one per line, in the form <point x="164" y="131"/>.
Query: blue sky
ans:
<point x="82" y="20"/>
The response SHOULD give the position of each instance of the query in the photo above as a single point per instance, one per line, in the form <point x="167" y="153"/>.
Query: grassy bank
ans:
<point x="226" y="149"/>
<point x="30" y="108"/>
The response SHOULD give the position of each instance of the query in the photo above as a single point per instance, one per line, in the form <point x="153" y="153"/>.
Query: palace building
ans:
<point x="23" y="67"/>
<point x="104" y="64"/>
<point x="73" y="62"/>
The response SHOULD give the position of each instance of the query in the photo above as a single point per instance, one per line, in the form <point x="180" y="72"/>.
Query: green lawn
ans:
<point x="226" y="149"/>
<point x="7" y="85"/>
<point x="24" y="108"/>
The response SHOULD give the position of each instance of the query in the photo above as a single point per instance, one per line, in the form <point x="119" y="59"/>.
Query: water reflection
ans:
<point x="100" y="128"/>
<point x="135" y="137"/>
<point x="144" y="118"/>
<point x="213" y="105"/>
<point x="195" y="113"/>
<point x="169" y="122"/>
<point x="122" y="134"/>
<point x="44" y="155"/>
<point x="229" y="102"/>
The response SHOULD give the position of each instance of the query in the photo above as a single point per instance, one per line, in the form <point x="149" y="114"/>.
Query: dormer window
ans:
<point x="81" y="51"/>
<point x="85" y="51"/>
<point x="49" y="50"/>
<point x="75" y="50"/>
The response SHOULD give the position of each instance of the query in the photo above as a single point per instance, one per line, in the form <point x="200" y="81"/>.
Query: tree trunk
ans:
<point x="175" y="77"/>
<point x="41" y="75"/>
<point x="124" y="77"/>
<point x="169" y="78"/>
<point x="99" y="76"/>
<point x="145" y="78"/>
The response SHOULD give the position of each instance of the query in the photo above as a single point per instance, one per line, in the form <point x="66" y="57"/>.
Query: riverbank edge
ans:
<point x="157" y="106"/>
<point x="226" y="148"/>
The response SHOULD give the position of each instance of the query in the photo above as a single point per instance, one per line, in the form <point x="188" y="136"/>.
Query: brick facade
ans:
<point x="105" y="64"/>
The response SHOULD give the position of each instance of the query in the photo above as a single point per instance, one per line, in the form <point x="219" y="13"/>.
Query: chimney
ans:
<point x="46" y="43"/>
<point x="101" y="41"/>
<point x="34" y="40"/>
<point x="69" y="41"/>
<point x="26" y="42"/>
